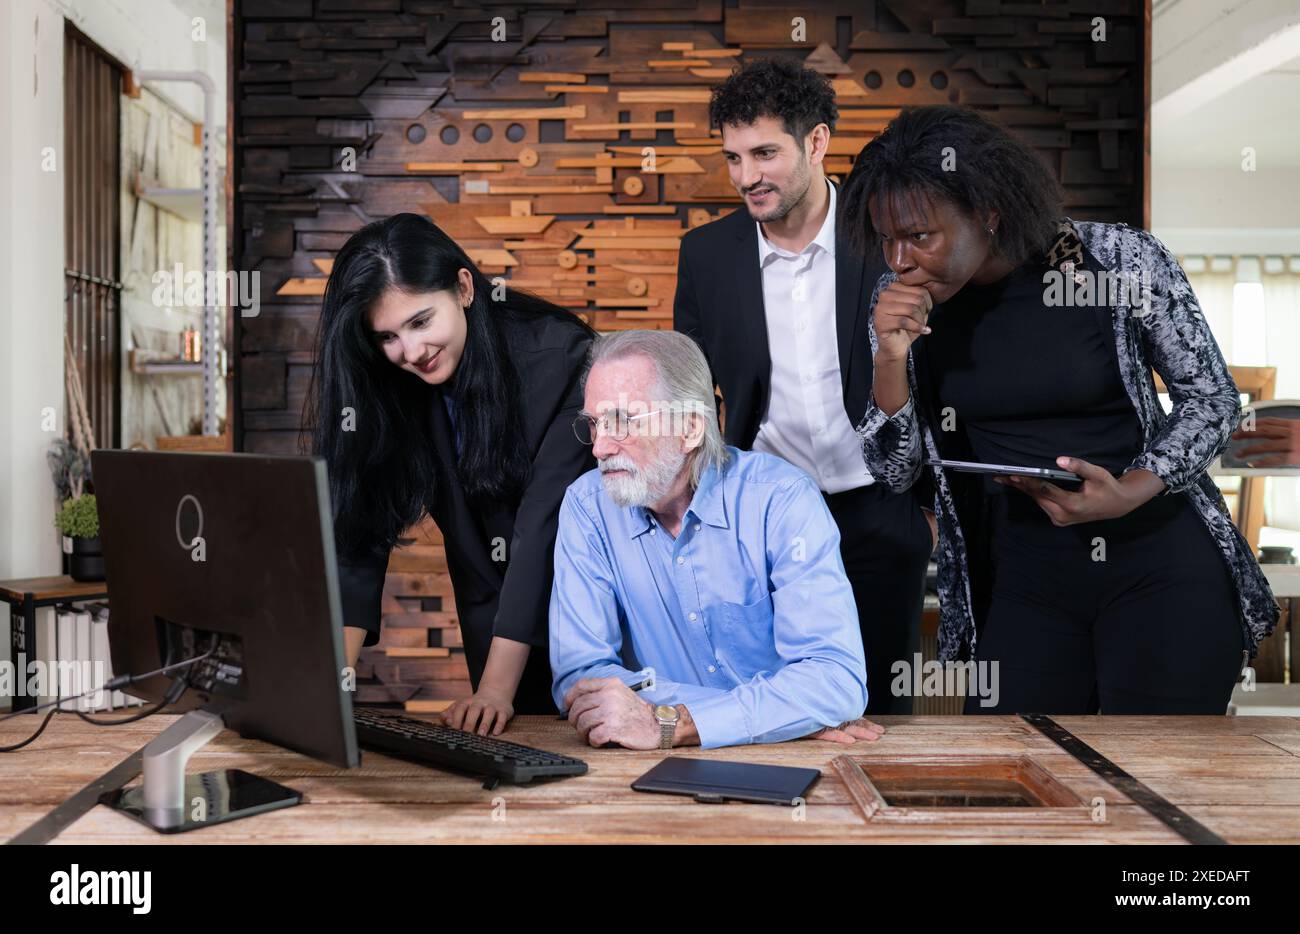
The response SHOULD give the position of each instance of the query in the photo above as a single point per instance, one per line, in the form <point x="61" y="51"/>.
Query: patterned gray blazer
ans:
<point x="1171" y="335"/>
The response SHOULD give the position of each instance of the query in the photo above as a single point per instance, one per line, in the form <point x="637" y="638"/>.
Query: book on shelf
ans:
<point x="83" y="660"/>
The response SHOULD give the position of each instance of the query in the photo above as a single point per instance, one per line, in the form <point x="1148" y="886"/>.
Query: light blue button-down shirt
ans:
<point x="746" y="618"/>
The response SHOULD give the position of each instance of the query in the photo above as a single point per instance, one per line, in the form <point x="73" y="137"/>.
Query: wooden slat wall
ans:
<point x="419" y="661"/>
<point x="524" y="139"/>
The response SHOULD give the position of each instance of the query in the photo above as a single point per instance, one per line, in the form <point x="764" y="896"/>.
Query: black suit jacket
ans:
<point x="509" y="598"/>
<point x="719" y="303"/>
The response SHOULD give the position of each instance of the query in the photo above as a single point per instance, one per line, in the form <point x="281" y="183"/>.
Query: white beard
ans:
<point x="641" y="487"/>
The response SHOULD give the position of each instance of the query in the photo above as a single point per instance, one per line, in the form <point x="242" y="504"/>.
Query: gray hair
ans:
<point x="684" y="380"/>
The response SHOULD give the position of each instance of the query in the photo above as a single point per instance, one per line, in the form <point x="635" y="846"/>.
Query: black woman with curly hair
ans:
<point x="1005" y="333"/>
<point x="779" y="310"/>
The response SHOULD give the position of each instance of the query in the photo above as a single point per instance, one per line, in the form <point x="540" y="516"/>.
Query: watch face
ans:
<point x="664" y="712"/>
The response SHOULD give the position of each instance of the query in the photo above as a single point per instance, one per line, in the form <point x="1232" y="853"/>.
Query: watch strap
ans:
<point x="666" y="730"/>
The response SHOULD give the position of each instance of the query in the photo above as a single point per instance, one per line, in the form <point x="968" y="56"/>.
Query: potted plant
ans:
<point x="78" y="520"/>
<point x="69" y="461"/>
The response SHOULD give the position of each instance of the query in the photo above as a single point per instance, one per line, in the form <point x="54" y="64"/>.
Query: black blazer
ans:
<point x="509" y="598"/>
<point x="719" y="303"/>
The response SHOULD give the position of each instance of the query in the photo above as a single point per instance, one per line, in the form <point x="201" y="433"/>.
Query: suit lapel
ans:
<point x="751" y="316"/>
<point x="850" y="323"/>
<point x="849" y="310"/>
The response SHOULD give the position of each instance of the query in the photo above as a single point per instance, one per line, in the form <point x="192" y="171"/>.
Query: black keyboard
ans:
<point x="440" y="746"/>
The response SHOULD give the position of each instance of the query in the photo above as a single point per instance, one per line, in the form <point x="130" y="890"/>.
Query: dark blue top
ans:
<point x="455" y="421"/>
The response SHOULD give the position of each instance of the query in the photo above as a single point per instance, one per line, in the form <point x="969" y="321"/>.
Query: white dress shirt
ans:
<point x="805" y="422"/>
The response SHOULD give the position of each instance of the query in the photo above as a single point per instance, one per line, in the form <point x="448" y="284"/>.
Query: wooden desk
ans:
<point x="1240" y="776"/>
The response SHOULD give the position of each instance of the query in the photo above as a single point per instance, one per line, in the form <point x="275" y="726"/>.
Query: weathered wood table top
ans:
<point x="1240" y="776"/>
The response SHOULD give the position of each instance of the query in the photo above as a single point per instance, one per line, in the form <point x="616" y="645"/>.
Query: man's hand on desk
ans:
<point x="487" y="711"/>
<point x="605" y="710"/>
<point x="850" y="732"/>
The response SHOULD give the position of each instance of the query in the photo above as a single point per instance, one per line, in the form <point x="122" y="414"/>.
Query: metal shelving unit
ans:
<point x="143" y="363"/>
<point x="185" y="203"/>
<point x="180" y="200"/>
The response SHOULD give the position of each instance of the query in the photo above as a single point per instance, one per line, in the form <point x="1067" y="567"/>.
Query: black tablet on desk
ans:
<point x="712" y="781"/>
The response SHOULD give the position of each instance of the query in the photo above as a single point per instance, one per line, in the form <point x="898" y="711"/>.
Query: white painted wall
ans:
<point x="1225" y="85"/>
<point x="31" y="281"/>
<point x="158" y="35"/>
<point x="1225" y="211"/>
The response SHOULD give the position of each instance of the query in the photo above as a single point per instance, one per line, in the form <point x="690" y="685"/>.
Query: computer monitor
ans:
<point x="232" y="553"/>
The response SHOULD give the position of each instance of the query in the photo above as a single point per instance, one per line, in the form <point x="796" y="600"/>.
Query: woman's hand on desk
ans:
<point x="492" y="705"/>
<point x="486" y="712"/>
<point x="1100" y="496"/>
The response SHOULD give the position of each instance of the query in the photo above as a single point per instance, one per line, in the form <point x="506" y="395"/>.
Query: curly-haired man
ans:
<point x="781" y="315"/>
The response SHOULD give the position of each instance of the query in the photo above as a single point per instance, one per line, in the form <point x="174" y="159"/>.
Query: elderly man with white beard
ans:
<point x="699" y="595"/>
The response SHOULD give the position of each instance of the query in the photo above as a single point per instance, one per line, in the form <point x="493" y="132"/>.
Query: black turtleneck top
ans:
<point x="1027" y="381"/>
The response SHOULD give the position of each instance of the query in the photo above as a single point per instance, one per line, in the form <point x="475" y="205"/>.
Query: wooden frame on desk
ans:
<point x="1054" y="801"/>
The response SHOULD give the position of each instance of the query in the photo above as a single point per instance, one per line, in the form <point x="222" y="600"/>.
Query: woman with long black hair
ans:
<point x="1005" y="333"/>
<point x="434" y="389"/>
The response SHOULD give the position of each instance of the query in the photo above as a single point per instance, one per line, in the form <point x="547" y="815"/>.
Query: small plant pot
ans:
<point x="86" y="562"/>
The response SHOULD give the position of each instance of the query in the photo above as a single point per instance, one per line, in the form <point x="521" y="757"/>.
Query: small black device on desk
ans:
<point x="711" y="781"/>
<point x="443" y="747"/>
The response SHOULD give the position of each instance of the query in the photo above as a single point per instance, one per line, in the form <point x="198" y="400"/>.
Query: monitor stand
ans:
<point x="170" y="801"/>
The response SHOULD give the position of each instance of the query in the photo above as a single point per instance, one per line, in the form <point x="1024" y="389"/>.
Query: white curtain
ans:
<point x="1214" y="292"/>
<point x="1282" y="330"/>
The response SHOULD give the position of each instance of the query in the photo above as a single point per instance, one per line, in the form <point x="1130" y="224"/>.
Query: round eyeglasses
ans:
<point x="616" y="424"/>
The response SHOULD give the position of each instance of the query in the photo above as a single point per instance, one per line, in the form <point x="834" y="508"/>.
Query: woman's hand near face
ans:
<point x="899" y="319"/>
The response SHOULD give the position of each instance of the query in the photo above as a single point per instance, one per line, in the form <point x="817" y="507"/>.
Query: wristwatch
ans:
<point x="667" y="717"/>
